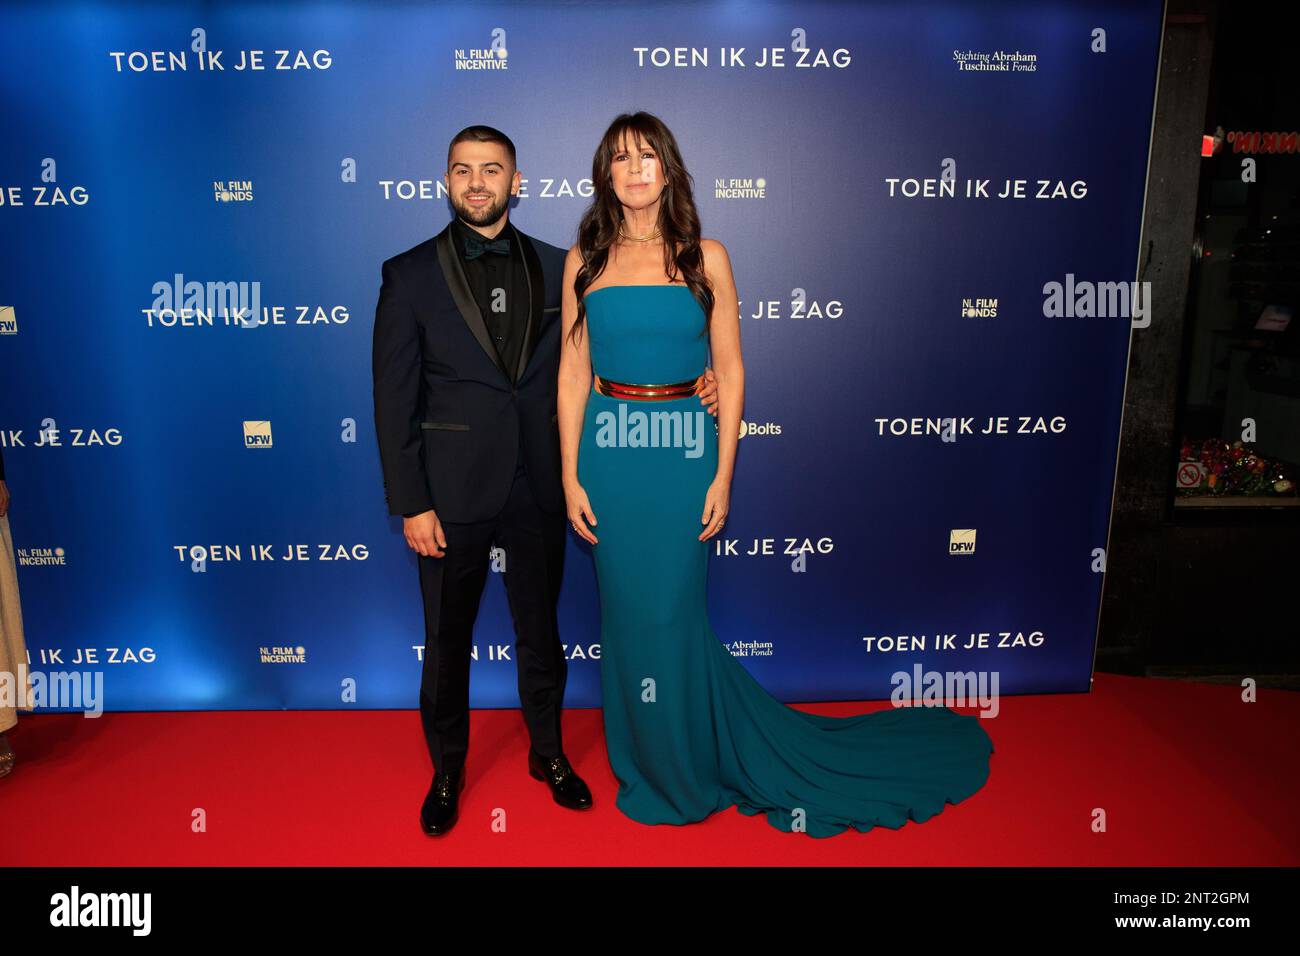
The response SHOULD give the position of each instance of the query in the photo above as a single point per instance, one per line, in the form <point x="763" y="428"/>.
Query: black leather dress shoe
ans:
<point x="566" y="786"/>
<point x="441" y="805"/>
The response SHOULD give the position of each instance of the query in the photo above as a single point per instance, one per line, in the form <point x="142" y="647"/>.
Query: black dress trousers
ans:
<point x="452" y="586"/>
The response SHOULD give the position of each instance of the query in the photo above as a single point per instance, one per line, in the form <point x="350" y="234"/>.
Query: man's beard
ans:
<point x="481" y="215"/>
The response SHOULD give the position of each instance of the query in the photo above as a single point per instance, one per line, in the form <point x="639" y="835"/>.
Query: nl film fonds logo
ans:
<point x="257" y="434"/>
<point x="232" y="190"/>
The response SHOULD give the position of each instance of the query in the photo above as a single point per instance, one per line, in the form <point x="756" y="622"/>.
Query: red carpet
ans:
<point x="1186" y="773"/>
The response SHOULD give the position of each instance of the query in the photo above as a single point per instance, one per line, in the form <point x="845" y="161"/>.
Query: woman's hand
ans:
<point x="580" y="513"/>
<point x="4" y="500"/>
<point x="716" y="503"/>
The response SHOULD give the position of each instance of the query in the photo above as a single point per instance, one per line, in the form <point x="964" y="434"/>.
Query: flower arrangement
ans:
<point x="1214" y="467"/>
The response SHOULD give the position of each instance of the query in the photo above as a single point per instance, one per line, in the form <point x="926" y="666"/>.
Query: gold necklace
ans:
<point x="656" y="235"/>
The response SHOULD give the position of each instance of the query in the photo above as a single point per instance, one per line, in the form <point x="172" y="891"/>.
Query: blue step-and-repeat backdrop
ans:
<point x="932" y="210"/>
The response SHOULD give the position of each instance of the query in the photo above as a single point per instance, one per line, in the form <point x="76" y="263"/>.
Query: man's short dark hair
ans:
<point x="482" y="134"/>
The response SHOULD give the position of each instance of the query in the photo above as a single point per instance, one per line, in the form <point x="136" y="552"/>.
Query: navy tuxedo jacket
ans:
<point x="448" y="414"/>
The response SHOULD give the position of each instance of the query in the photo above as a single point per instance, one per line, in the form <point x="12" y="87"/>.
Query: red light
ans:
<point x="1207" y="145"/>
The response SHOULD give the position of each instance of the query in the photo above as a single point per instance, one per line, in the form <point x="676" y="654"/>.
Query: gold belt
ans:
<point x="647" y="393"/>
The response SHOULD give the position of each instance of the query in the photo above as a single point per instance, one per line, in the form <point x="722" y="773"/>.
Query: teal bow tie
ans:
<point x="475" y="247"/>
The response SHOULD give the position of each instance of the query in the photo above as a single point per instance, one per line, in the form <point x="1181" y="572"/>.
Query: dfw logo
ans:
<point x="961" y="541"/>
<point x="257" y="434"/>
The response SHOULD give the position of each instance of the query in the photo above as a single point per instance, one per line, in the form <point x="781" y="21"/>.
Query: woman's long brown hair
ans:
<point x="678" y="221"/>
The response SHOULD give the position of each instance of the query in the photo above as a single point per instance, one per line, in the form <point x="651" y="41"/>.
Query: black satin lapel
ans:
<point x="536" y="300"/>
<point x="458" y="284"/>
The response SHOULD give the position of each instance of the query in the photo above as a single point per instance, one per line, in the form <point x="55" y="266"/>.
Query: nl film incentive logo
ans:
<point x="494" y="57"/>
<point x="740" y="188"/>
<point x="42" y="557"/>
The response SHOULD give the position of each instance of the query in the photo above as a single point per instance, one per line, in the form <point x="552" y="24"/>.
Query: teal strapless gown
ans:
<point x="688" y="729"/>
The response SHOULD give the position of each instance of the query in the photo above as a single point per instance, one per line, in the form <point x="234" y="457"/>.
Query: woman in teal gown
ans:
<point x="688" y="730"/>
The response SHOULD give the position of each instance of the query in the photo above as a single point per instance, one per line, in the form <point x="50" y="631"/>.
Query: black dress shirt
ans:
<point x="505" y="312"/>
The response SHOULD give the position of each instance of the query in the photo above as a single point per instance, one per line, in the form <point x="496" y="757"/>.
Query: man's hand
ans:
<point x="707" y="389"/>
<point x="424" y="534"/>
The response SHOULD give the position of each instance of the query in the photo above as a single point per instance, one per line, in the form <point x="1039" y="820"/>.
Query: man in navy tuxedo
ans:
<point x="466" y="354"/>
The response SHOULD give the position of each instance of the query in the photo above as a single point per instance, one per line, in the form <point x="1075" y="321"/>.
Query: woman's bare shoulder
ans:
<point x="716" y="260"/>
